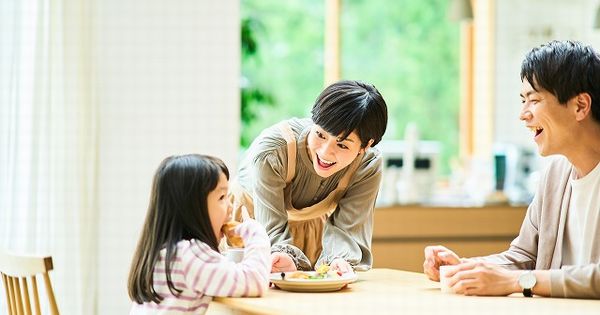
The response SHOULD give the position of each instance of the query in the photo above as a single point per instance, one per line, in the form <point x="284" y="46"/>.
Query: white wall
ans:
<point x="167" y="76"/>
<point x="520" y="26"/>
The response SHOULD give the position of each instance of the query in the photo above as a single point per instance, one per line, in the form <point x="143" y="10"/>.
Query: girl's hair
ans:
<point x="178" y="210"/>
<point x="347" y="106"/>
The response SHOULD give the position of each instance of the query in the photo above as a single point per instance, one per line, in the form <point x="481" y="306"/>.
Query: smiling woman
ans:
<point x="313" y="181"/>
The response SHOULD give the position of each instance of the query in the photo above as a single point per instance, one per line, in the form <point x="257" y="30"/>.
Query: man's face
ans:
<point x="552" y="123"/>
<point x="329" y="153"/>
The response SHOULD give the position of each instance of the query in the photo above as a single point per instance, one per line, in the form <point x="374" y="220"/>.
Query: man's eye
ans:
<point x="222" y="197"/>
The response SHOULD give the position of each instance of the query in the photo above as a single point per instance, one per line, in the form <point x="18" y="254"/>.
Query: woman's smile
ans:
<point x="324" y="164"/>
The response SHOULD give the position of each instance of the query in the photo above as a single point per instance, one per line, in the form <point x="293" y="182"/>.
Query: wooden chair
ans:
<point x="25" y="268"/>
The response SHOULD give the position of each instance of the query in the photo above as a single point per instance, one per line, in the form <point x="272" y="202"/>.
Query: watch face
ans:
<point x="527" y="280"/>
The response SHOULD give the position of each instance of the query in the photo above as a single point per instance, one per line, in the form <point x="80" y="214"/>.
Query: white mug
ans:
<point x="235" y="254"/>
<point x="444" y="278"/>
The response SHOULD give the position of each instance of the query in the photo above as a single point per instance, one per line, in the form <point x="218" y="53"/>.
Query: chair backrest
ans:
<point x="19" y="280"/>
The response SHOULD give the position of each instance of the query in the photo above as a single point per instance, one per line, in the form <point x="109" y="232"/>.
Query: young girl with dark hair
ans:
<point x="177" y="266"/>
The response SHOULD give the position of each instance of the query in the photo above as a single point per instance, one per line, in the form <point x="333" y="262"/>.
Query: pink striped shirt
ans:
<point x="202" y="273"/>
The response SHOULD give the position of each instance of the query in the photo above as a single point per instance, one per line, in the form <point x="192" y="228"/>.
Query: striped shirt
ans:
<point x="201" y="273"/>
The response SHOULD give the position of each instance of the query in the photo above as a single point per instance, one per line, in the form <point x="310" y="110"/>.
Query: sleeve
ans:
<point x="576" y="282"/>
<point x="349" y="231"/>
<point x="210" y="273"/>
<point x="522" y="253"/>
<point x="269" y="207"/>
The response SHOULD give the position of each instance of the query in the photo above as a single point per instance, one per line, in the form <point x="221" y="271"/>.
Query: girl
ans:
<point x="313" y="182"/>
<point x="177" y="267"/>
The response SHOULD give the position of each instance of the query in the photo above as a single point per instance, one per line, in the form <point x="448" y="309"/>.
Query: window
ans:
<point x="408" y="49"/>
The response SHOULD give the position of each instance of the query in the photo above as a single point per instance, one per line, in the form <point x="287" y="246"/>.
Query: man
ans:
<point x="557" y="252"/>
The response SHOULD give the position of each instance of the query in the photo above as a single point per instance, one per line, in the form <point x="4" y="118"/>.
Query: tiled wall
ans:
<point x="520" y="26"/>
<point x="167" y="82"/>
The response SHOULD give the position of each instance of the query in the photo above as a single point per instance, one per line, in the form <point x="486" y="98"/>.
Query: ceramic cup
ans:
<point x="444" y="278"/>
<point x="235" y="254"/>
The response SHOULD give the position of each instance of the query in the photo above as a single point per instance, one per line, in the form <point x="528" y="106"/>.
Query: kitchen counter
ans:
<point x="401" y="232"/>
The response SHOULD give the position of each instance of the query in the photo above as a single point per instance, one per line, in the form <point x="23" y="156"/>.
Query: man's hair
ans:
<point x="565" y="69"/>
<point x="348" y="106"/>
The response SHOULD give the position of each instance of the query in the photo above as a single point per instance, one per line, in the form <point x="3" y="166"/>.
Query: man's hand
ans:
<point x="436" y="256"/>
<point x="282" y="262"/>
<point x="481" y="278"/>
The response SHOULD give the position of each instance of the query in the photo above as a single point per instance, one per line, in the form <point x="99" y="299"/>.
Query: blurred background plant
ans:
<point x="407" y="48"/>
<point x="253" y="97"/>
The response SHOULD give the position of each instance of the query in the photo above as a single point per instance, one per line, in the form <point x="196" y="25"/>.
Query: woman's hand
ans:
<point x="340" y="265"/>
<point x="282" y="262"/>
<point x="436" y="256"/>
<point x="481" y="278"/>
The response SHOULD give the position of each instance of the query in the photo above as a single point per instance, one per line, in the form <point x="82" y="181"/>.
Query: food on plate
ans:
<point x="321" y="272"/>
<point x="233" y="239"/>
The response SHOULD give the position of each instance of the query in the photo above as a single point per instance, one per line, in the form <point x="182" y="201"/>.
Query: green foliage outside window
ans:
<point x="406" y="48"/>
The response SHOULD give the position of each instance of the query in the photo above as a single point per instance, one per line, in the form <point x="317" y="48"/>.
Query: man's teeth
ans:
<point x="535" y="129"/>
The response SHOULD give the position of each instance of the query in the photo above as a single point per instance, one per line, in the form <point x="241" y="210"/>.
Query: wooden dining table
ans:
<point x="389" y="291"/>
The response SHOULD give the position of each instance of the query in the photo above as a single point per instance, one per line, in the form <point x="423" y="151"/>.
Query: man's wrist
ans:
<point x="516" y="288"/>
<point x="527" y="280"/>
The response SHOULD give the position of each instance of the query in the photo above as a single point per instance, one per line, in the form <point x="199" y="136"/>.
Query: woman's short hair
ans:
<point x="347" y="106"/>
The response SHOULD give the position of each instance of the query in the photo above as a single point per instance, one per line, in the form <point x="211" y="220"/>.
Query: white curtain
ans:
<point x="48" y="143"/>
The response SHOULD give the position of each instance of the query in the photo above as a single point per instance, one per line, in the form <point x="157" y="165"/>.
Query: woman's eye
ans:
<point x="320" y="135"/>
<point x="222" y="197"/>
<point x="341" y="145"/>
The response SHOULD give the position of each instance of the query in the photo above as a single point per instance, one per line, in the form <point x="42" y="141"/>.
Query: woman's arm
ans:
<point x="348" y="232"/>
<point x="269" y="206"/>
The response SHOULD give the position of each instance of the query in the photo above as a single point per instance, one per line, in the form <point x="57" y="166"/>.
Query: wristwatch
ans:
<point x="527" y="281"/>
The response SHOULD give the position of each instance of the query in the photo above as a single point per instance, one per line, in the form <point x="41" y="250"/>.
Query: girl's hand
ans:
<point x="340" y="265"/>
<point x="282" y="262"/>
<point x="245" y="214"/>
<point x="481" y="278"/>
<point x="250" y="229"/>
<point x="436" y="256"/>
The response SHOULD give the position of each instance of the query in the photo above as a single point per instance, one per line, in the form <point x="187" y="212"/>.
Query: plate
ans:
<point x="312" y="285"/>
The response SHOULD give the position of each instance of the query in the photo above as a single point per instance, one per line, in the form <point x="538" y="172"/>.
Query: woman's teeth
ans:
<point x="325" y="163"/>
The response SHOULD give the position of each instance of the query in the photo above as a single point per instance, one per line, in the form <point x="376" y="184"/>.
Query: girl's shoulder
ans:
<point x="194" y="249"/>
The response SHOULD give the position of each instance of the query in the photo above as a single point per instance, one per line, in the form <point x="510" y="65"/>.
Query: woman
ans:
<point x="313" y="182"/>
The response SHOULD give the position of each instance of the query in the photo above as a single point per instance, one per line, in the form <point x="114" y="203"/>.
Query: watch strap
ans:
<point x="527" y="293"/>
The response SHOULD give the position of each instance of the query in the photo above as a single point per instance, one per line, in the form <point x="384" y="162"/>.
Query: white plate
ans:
<point x="312" y="285"/>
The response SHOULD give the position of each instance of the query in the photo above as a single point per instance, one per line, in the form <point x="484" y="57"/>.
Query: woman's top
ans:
<point x="202" y="273"/>
<point x="348" y="231"/>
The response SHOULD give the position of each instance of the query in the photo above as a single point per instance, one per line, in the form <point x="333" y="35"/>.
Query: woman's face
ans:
<point x="329" y="153"/>
<point x="219" y="206"/>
